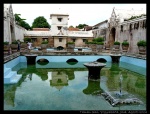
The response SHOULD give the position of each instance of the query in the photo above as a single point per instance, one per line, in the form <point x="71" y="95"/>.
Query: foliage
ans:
<point x="6" y="43"/>
<point x="91" y="42"/>
<point x="44" y="42"/>
<point x="81" y="26"/>
<point x="134" y="17"/>
<point x="99" y="39"/>
<point x="116" y="43"/>
<point x="70" y="42"/>
<point x="141" y="43"/>
<point x="100" y="43"/>
<point x="40" y="22"/>
<point x="21" y="22"/>
<point x="15" y="42"/>
<point x="125" y="43"/>
<point x="71" y="26"/>
<point x="27" y="39"/>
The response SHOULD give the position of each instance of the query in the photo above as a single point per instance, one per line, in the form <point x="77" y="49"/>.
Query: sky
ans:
<point x="90" y="14"/>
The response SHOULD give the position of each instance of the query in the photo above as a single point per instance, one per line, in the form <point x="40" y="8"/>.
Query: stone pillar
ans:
<point x="94" y="69"/>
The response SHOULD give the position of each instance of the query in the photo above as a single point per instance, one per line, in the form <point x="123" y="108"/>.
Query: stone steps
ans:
<point x="11" y="77"/>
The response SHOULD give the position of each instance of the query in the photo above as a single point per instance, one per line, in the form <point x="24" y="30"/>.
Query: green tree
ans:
<point x="71" y="26"/>
<point x="21" y="22"/>
<point x="81" y="26"/>
<point x="40" y="22"/>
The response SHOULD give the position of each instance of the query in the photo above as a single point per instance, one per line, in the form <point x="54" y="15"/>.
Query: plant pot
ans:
<point x="125" y="48"/>
<point x="99" y="47"/>
<point x="44" y="46"/>
<point x="117" y="47"/>
<point x="142" y="50"/>
<point x="71" y="45"/>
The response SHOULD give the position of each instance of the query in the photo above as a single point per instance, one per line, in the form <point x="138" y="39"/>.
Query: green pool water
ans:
<point x="58" y="87"/>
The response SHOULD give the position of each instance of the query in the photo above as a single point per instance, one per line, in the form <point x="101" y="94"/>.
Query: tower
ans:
<point x="59" y="23"/>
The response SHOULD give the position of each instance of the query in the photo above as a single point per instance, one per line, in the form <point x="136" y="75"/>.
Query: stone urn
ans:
<point x="142" y="46"/>
<point x="142" y="50"/>
<point x="116" y="45"/>
<point x="44" y="46"/>
<point x="99" y="46"/>
<point x="70" y="46"/>
<point x="6" y="49"/>
<point x="125" y="48"/>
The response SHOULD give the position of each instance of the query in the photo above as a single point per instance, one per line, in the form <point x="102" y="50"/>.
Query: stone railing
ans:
<point x="10" y="57"/>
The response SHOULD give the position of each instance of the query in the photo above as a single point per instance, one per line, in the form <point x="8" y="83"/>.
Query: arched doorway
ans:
<point x="112" y="36"/>
<point x="12" y="32"/>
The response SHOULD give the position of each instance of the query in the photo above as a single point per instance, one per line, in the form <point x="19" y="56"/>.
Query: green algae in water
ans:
<point x="70" y="89"/>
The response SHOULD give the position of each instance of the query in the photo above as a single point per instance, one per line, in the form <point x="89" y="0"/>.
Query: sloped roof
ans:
<point x="41" y="29"/>
<point x="37" y="33"/>
<point x="73" y="29"/>
<point x="80" y="33"/>
<point x="101" y="23"/>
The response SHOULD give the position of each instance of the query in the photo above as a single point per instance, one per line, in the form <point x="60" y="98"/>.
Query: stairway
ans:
<point x="11" y="77"/>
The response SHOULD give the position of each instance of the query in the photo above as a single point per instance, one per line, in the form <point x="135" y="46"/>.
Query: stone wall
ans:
<point x="19" y="33"/>
<point x="132" y="31"/>
<point x="6" y="36"/>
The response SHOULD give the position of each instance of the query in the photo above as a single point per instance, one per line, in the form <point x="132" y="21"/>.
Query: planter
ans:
<point x="125" y="48"/>
<point x="14" y="47"/>
<point x="142" y="50"/>
<point x="99" y="47"/>
<point x="117" y="47"/>
<point x="6" y="49"/>
<point x="71" y="46"/>
<point x="44" y="46"/>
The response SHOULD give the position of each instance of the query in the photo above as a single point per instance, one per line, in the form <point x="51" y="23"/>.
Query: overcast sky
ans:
<point x="89" y="14"/>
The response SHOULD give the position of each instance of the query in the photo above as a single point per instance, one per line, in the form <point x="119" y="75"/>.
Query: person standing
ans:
<point x="18" y="41"/>
<point x="29" y="45"/>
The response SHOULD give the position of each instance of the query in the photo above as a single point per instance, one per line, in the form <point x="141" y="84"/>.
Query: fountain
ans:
<point x="121" y="78"/>
<point x="31" y="58"/>
<point x="94" y="69"/>
<point x="121" y="97"/>
<point x="115" y="58"/>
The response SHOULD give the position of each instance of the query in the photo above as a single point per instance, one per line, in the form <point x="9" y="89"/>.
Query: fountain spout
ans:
<point x="121" y="78"/>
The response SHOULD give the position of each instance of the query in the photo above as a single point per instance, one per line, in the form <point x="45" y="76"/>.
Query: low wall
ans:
<point x="133" y="61"/>
<point x="78" y="58"/>
<point x="125" y="59"/>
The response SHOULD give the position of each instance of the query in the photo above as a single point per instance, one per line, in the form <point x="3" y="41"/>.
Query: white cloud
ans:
<point x="90" y="14"/>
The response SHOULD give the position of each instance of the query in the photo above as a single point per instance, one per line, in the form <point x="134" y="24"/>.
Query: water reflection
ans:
<point x="41" y="82"/>
<point x="58" y="79"/>
<point x="93" y="88"/>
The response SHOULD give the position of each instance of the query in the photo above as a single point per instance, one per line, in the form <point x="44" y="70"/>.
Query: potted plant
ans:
<point x="99" y="45"/>
<point x="142" y="46"/>
<point x="117" y="45"/>
<point x="23" y="45"/>
<point x="44" y="44"/>
<point x="70" y="44"/>
<point x="125" y="46"/>
<point x="6" y="43"/>
<point x="6" y="48"/>
<point x="14" y="46"/>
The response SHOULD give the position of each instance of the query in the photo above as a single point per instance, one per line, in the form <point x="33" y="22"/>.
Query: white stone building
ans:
<point x="12" y="31"/>
<point x="99" y="30"/>
<point x="132" y="30"/>
<point x="59" y="34"/>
